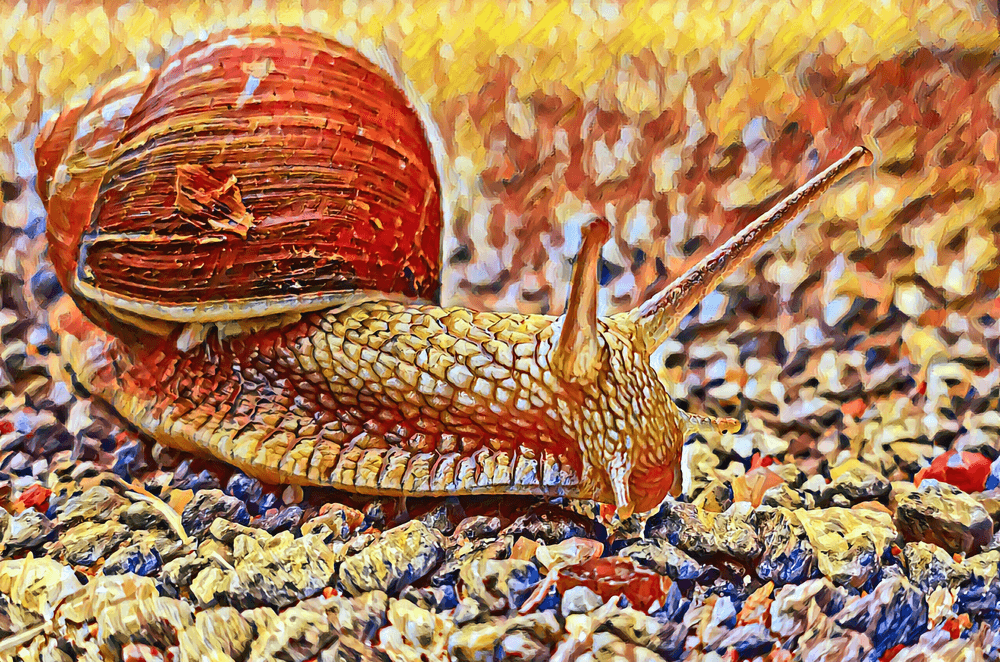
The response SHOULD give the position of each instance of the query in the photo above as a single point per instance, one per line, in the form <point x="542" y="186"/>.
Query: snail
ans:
<point x="277" y="181"/>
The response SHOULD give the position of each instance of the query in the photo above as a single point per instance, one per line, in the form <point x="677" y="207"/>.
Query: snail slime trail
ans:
<point x="284" y="206"/>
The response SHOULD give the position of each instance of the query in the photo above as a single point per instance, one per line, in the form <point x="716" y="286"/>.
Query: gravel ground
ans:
<point x="863" y="351"/>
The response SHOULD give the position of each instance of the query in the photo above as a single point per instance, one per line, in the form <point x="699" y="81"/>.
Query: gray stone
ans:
<point x="97" y="504"/>
<point x="703" y="534"/>
<point x="28" y="529"/>
<point x="928" y="566"/>
<point x="793" y="605"/>
<point x="499" y="585"/>
<point x="478" y="642"/>
<point x="784" y="496"/>
<point x="665" y="559"/>
<point x="400" y="557"/>
<point x="273" y="571"/>
<point x="857" y="484"/>
<point x="215" y="632"/>
<point x="579" y="600"/>
<point x="144" y="516"/>
<point x="210" y="505"/>
<point x="86" y="543"/>
<point x="946" y="516"/>
<point x="178" y="574"/>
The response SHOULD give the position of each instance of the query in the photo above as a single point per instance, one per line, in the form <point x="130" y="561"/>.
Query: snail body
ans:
<point x="195" y="204"/>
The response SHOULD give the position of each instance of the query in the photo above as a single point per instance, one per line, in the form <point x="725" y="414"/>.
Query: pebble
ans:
<point x="203" y="480"/>
<point x="946" y="516"/>
<point x="499" y="585"/>
<point x="968" y="471"/>
<point x="86" y="543"/>
<point x="400" y="557"/>
<point x="521" y="645"/>
<point x="149" y="619"/>
<point x="748" y="641"/>
<point x="26" y="530"/>
<point x="980" y="590"/>
<point x="439" y="598"/>
<point x="783" y="496"/>
<point x="247" y="489"/>
<point x="444" y="516"/>
<point x="97" y="504"/>
<point x="550" y="528"/>
<point x="846" y="545"/>
<point x="857" y="483"/>
<point x="281" y="519"/>
<point x="273" y="571"/>
<point x="414" y="632"/>
<point x="32" y="588"/>
<point x="579" y="600"/>
<point x="795" y="605"/>
<point x="643" y="630"/>
<point x="993" y="479"/>
<point x="177" y="575"/>
<point x="895" y="613"/>
<point x="477" y="527"/>
<point x="702" y="533"/>
<point x="665" y="559"/>
<point x="716" y="497"/>
<point x="335" y="522"/>
<point x="216" y="632"/>
<point x="929" y="567"/>
<point x="478" y="642"/>
<point x="297" y="633"/>
<point x="140" y="557"/>
<point x="142" y="515"/>
<point x="127" y="459"/>
<point x="210" y="505"/>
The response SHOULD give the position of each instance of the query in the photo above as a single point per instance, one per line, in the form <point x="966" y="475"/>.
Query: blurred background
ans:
<point x="869" y="329"/>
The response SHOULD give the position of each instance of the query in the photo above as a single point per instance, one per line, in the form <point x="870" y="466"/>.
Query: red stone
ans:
<point x="36" y="497"/>
<point x="891" y="653"/>
<point x="611" y="576"/>
<point x="969" y="476"/>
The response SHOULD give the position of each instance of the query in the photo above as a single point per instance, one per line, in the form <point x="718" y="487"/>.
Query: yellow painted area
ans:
<point x="449" y="48"/>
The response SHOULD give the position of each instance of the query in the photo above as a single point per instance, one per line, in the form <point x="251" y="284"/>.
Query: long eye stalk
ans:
<point x="656" y="319"/>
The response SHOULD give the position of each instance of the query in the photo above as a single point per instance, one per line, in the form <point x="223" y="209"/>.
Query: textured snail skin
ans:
<point x="378" y="396"/>
<point x="383" y="398"/>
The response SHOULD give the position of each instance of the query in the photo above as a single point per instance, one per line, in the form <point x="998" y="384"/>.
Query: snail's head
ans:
<point x="630" y="430"/>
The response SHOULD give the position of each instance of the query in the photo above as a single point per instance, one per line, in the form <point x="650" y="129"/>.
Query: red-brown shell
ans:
<point x="257" y="166"/>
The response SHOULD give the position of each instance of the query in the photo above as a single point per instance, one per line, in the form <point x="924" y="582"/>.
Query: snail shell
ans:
<point x="255" y="173"/>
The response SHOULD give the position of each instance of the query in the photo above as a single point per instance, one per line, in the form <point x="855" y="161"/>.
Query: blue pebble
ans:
<point x="993" y="480"/>
<point x="551" y="601"/>
<point x="521" y="583"/>
<point x="674" y="607"/>
<point x="134" y="561"/>
<point x="753" y="646"/>
<point x="891" y="616"/>
<point x="126" y="459"/>
<point x="246" y="489"/>
<point x="45" y="286"/>
<point x="448" y="598"/>
<point x="267" y="502"/>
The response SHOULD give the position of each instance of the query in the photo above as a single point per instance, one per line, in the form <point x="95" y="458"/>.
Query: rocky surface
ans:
<point x="855" y="517"/>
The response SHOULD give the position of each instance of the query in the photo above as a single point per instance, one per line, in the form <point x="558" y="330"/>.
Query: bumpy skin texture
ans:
<point x="393" y="399"/>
